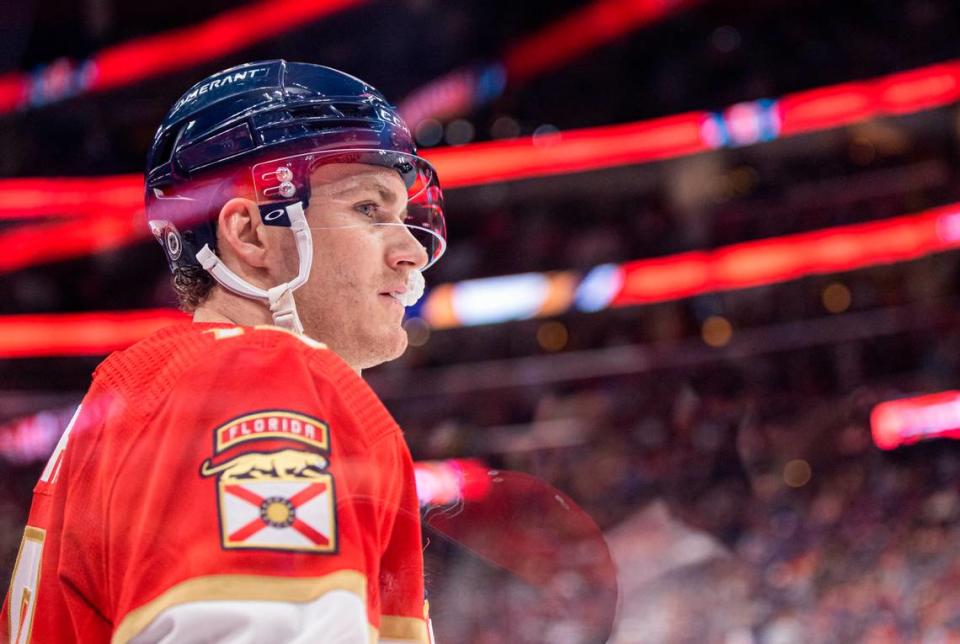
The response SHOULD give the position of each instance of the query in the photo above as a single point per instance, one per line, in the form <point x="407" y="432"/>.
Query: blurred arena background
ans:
<point x="695" y="246"/>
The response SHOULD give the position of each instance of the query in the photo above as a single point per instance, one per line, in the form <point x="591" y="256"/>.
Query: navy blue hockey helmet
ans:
<point x="258" y="130"/>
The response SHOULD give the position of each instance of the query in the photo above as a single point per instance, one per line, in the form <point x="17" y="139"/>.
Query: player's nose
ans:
<point x="404" y="249"/>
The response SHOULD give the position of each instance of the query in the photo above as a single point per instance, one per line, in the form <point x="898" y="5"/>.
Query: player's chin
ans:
<point x="398" y="343"/>
<point x="389" y="346"/>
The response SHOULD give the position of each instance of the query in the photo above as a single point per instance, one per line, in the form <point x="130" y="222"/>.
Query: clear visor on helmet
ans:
<point x="357" y="197"/>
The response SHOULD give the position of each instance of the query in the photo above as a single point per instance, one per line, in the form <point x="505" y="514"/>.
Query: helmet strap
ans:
<point x="284" y="309"/>
<point x="280" y="297"/>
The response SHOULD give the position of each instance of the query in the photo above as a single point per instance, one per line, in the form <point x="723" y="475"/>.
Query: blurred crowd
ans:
<point x="735" y="510"/>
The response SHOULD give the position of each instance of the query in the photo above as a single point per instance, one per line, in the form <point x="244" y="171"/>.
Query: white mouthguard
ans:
<point x="415" y="287"/>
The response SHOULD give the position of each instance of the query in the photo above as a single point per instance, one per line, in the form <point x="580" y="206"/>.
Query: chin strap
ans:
<point x="280" y="297"/>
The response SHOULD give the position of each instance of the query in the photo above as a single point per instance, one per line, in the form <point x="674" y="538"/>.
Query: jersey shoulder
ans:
<point x="162" y="358"/>
<point x="277" y="347"/>
<point x="243" y="362"/>
<point x="266" y="335"/>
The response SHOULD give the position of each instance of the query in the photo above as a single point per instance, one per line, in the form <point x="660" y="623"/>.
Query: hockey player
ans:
<point x="233" y="479"/>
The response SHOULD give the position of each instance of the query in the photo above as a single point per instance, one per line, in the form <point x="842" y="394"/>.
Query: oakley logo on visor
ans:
<point x="274" y="215"/>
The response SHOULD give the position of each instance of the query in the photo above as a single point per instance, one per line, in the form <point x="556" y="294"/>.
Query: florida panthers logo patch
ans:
<point x="273" y="488"/>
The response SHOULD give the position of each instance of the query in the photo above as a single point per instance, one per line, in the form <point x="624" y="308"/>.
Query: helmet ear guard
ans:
<point x="170" y="239"/>
<point x="190" y="210"/>
<point x="212" y="144"/>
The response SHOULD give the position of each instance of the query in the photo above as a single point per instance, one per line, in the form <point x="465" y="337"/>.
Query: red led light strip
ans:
<point x="228" y="32"/>
<point x="580" y="31"/>
<point x="683" y="134"/>
<point x="144" y="58"/>
<point x="469" y="165"/>
<point x="744" y="265"/>
<point x="567" y="38"/>
<point x="118" y="195"/>
<point x="910" y="420"/>
<point x="26" y="246"/>
<point x="781" y="259"/>
<point x="902" y="93"/>
<point x="570" y="151"/>
<point x="79" y="334"/>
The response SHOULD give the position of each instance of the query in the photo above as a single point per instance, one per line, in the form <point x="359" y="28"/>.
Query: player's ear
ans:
<point x="240" y="232"/>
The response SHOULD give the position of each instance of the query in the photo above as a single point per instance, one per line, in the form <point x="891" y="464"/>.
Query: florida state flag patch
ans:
<point x="273" y="490"/>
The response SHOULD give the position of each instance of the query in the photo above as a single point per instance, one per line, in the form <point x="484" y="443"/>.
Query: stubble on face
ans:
<point x="341" y="304"/>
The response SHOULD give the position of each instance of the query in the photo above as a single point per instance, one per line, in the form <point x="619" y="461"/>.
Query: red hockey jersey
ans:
<point x="217" y="480"/>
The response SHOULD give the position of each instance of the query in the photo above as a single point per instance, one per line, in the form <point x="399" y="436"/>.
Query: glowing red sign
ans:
<point x="909" y="420"/>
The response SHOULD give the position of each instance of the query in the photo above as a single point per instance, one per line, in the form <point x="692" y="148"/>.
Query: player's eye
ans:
<point x="368" y="209"/>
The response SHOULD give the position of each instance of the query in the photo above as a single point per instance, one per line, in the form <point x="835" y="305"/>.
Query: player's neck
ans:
<point x="230" y="308"/>
<point x="224" y="306"/>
